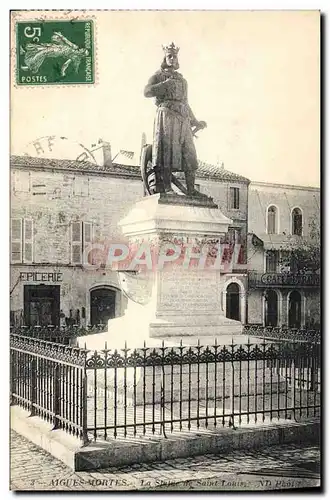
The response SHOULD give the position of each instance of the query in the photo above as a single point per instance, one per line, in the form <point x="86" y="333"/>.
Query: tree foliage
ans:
<point x="303" y="253"/>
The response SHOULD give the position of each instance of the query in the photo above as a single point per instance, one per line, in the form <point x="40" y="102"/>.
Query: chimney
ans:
<point x="220" y="165"/>
<point x="107" y="159"/>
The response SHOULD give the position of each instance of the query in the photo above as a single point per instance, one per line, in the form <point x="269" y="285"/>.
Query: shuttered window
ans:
<point x="21" y="181"/>
<point x="234" y="198"/>
<point x="28" y="241"/>
<point x="16" y="240"/>
<point x="81" y="239"/>
<point x="76" y="242"/>
<point x="22" y="240"/>
<point x="81" y="186"/>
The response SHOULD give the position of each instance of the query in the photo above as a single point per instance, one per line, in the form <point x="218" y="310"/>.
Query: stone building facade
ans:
<point x="58" y="207"/>
<point x="280" y="218"/>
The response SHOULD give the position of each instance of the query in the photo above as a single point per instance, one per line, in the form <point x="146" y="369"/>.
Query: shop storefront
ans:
<point x="63" y="297"/>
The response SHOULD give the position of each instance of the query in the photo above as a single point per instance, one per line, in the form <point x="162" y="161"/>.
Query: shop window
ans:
<point x="41" y="305"/>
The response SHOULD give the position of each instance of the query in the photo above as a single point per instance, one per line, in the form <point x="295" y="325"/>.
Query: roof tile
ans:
<point x="205" y="170"/>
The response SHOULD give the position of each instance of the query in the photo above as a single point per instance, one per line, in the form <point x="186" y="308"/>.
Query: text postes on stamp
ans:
<point x="55" y="52"/>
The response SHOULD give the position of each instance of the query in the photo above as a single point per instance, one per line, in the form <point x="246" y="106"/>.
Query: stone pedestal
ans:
<point x="183" y="294"/>
<point x="174" y="304"/>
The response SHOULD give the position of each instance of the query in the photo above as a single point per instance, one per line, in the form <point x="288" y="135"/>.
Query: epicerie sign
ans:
<point x="41" y="277"/>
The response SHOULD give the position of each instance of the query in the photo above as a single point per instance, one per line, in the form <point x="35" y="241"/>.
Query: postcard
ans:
<point x="165" y="250"/>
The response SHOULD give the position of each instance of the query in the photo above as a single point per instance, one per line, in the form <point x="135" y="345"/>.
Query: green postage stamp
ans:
<point x="55" y="52"/>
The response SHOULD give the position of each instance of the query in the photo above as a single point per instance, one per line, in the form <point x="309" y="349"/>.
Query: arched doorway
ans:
<point x="233" y="301"/>
<point x="103" y="305"/>
<point x="271" y="308"/>
<point x="294" y="310"/>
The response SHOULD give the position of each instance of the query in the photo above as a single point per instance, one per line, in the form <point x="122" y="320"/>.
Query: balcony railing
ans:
<point x="262" y="280"/>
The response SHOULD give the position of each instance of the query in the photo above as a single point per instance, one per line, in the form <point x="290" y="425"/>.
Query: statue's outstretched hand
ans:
<point x="201" y="125"/>
<point x="198" y="126"/>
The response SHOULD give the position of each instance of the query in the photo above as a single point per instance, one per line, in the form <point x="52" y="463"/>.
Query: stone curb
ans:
<point x="129" y="451"/>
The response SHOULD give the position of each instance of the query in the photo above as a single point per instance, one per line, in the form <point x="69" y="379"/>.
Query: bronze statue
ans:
<point x="173" y="148"/>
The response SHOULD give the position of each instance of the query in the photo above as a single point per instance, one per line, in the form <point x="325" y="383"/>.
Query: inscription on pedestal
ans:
<point x="188" y="290"/>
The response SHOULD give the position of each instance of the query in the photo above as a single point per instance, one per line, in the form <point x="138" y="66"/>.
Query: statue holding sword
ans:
<point x="175" y="126"/>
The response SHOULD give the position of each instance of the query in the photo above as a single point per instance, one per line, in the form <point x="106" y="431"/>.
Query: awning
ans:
<point x="277" y="241"/>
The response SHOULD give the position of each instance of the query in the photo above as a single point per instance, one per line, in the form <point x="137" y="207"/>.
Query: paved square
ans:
<point x="278" y="467"/>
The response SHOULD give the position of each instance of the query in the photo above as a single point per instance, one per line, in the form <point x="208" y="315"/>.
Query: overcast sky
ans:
<point x="252" y="76"/>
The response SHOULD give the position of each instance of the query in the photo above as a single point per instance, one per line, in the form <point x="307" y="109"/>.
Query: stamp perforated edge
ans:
<point x="52" y="15"/>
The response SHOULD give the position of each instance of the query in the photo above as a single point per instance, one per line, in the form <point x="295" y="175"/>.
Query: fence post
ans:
<point x="84" y="406"/>
<point x="314" y="374"/>
<point x="33" y="384"/>
<point x="56" y="395"/>
<point x="13" y="376"/>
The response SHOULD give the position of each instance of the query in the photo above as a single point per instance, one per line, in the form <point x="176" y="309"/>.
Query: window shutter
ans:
<point x="231" y="198"/>
<point x="88" y="233"/>
<point x="76" y="242"/>
<point x="28" y="241"/>
<point x="234" y="198"/>
<point x="16" y="240"/>
<point x="87" y="236"/>
<point x="237" y="198"/>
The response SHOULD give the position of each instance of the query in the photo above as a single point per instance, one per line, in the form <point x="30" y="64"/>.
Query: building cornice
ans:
<point x="283" y="186"/>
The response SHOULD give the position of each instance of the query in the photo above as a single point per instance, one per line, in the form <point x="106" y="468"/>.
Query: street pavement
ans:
<point x="273" y="468"/>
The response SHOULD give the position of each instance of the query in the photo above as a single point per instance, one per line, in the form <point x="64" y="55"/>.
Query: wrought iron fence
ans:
<point x="49" y="380"/>
<point x="58" y="334"/>
<point x="283" y="333"/>
<point x="130" y="392"/>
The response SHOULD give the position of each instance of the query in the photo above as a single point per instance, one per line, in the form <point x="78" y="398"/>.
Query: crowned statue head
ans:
<point x="170" y="60"/>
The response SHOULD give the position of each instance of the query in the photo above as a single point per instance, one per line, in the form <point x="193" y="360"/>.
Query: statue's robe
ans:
<point x="173" y="146"/>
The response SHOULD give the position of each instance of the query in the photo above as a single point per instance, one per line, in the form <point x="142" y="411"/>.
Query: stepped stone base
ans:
<point x="180" y="383"/>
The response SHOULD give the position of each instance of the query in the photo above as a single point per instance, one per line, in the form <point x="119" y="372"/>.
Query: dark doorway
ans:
<point x="232" y="305"/>
<point x="103" y="305"/>
<point x="271" y="308"/>
<point x="41" y="305"/>
<point x="295" y="310"/>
